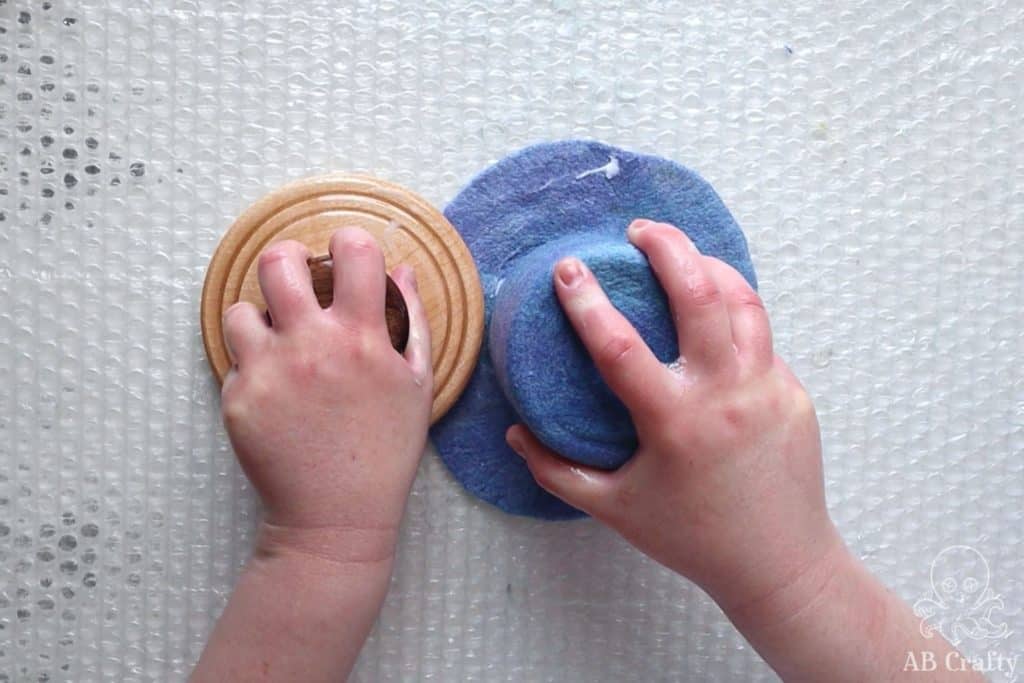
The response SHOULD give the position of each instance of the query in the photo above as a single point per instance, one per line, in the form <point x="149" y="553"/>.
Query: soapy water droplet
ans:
<point x="579" y="472"/>
<point x="678" y="366"/>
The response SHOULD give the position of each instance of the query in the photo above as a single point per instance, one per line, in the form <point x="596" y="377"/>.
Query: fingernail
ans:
<point x="570" y="272"/>
<point x="516" y="446"/>
<point x="231" y="352"/>
<point x="638" y="226"/>
<point x="224" y="336"/>
<point x="407" y="273"/>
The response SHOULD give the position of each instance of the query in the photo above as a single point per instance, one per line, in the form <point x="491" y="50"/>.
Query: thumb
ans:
<point x="586" y="488"/>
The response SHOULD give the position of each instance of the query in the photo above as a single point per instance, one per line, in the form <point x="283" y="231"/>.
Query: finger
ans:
<point x="585" y="488"/>
<point x="751" y="329"/>
<point x="625" y="362"/>
<point x="245" y="330"/>
<point x="358" y="277"/>
<point x="417" y="350"/>
<point x="226" y="385"/>
<point x="286" y="283"/>
<point x="702" y="321"/>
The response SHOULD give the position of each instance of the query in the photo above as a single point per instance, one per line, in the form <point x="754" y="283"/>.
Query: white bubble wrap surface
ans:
<point x="872" y="151"/>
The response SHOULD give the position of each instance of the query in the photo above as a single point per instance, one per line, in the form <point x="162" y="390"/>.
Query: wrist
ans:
<point x="336" y="573"/>
<point x="342" y="548"/>
<point x="302" y="608"/>
<point x="831" y="622"/>
<point x="778" y="590"/>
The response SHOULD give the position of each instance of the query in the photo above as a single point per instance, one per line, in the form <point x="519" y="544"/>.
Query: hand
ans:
<point x="726" y="486"/>
<point x="326" y="418"/>
<point x="329" y="422"/>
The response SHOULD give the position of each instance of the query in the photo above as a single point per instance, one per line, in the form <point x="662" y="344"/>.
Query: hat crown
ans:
<point x="542" y="366"/>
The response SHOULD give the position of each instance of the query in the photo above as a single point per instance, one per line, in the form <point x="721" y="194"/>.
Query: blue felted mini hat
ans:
<point x="518" y="218"/>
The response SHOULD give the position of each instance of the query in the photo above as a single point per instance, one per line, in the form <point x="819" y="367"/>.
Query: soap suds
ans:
<point x="610" y="170"/>
<point x="677" y="366"/>
<point x="678" y="369"/>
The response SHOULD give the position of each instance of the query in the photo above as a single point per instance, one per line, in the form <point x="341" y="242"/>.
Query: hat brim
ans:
<point x="539" y="194"/>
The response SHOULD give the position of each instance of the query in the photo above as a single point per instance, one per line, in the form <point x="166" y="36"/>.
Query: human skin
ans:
<point x="726" y="486"/>
<point x="329" y="422"/>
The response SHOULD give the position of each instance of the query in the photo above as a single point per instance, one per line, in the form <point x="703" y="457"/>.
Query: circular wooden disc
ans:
<point x="408" y="229"/>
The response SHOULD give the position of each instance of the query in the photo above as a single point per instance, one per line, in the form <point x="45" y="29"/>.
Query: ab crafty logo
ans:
<point x="965" y="610"/>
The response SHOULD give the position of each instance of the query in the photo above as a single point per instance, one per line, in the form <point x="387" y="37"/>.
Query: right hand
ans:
<point x="726" y="485"/>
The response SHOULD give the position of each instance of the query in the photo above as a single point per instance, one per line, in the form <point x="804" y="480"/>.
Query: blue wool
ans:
<point x="544" y="369"/>
<point x="518" y="218"/>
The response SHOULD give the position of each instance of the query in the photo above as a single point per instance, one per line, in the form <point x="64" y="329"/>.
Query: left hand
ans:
<point x="326" y="418"/>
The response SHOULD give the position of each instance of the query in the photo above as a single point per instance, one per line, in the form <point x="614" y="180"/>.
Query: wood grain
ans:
<point x="408" y="229"/>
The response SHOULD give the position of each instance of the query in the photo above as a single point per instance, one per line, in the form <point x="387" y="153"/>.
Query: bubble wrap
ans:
<point x="870" y="150"/>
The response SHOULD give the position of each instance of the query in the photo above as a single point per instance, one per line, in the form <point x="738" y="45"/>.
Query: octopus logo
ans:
<point x="962" y="605"/>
